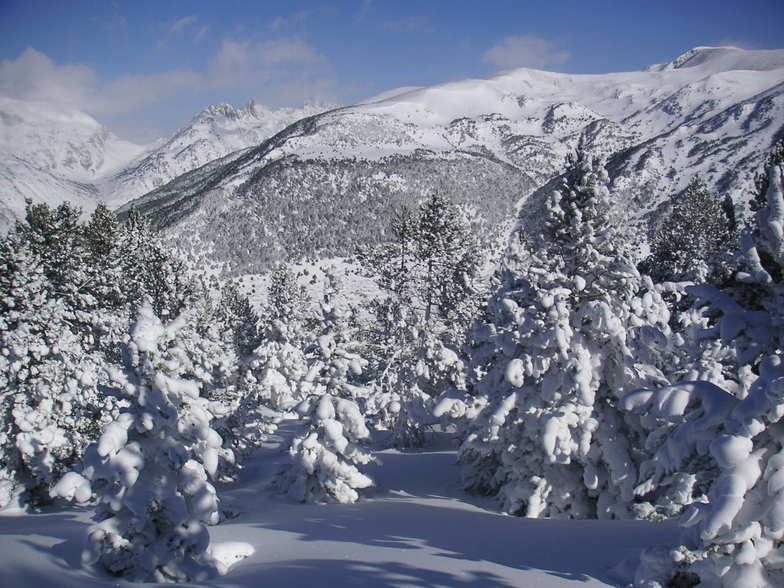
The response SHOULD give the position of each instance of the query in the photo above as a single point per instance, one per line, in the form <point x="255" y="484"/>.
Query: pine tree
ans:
<point x="240" y="319"/>
<point x="560" y="344"/>
<point x="326" y="456"/>
<point x="102" y="232"/>
<point x="428" y="274"/>
<point x="762" y="179"/>
<point x="151" y="467"/>
<point x="733" y="536"/>
<point x="696" y="240"/>
<point x="50" y="406"/>
<point x="151" y="269"/>
<point x="286" y="311"/>
<point x="55" y="238"/>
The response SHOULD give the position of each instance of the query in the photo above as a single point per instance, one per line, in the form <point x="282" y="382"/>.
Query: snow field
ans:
<point x="419" y="529"/>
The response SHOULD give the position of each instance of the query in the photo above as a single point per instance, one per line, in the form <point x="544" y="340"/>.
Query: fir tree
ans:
<point x="560" y="346"/>
<point x="151" y="467"/>
<point x="286" y="311"/>
<point x="326" y="456"/>
<point x="696" y="240"/>
<point x="428" y="273"/>
<point x="240" y="319"/>
<point x="50" y="405"/>
<point x="730" y="438"/>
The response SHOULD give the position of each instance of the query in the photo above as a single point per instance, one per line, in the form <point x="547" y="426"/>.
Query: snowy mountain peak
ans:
<point x="215" y="132"/>
<point x="718" y="59"/>
<point x="64" y="141"/>
<point x="218" y="111"/>
<point x="49" y="154"/>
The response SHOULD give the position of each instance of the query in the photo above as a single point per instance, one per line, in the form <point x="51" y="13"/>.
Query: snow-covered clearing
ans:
<point x="418" y="529"/>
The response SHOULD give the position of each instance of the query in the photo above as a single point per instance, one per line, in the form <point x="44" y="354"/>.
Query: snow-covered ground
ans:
<point x="355" y="289"/>
<point x="417" y="529"/>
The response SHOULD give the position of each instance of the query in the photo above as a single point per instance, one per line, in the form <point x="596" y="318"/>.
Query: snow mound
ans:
<point x="229" y="553"/>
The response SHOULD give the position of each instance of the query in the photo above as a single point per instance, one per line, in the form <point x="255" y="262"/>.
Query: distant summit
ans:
<point x="717" y="59"/>
<point x="51" y="154"/>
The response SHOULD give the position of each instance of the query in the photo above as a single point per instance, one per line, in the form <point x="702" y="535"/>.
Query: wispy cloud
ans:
<point x="201" y="33"/>
<point x="180" y="25"/>
<point x="237" y="60"/>
<point x="525" y="51"/>
<point x="33" y="76"/>
<point x="737" y="43"/>
<point x="364" y="9"/>
<point x="187" y="27"/>
<point x="413" y="24"/>
<point x="284" y="22"/>
<point x="284" y="63"/>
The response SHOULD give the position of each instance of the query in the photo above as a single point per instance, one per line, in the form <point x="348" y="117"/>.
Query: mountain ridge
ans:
<point x="50" y="154"/>
<point x="486" y="143"/>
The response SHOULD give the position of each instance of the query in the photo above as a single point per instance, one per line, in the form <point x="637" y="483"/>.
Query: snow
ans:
<point x="50" y="153"/>
<point x="616" y="96"/>
<point x="68" y="142"/>
<point x="419" y="529"/>
<point x="357" y="289"/>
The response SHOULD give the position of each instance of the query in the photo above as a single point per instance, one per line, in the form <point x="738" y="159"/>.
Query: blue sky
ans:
<point x="145" y="67"/>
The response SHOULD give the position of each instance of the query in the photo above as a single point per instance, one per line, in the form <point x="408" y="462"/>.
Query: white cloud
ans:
<point x="33" y="76"/>
<point x="187" y="26"/>
<point x="525" y="51"/>
<point x="201" y="33"/>
<point x="282" y="22"/>
<point x="413" y="24"/>
<point x="283" y="71"/>
<point x="299" y="91"/>
<point x="180" y="25"/>
<point x="131" y="92"/>
<point x="737" y="43"/>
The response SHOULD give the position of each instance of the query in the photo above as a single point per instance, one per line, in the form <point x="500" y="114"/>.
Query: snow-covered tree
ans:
<point x="286" y="310"/>
<point x="55" y="238"/>
<point x="428" y="274"/>
<point x="325" y="457"/>
<point x="151" y="269"/>
<point x="431" y="263"/>
<point x="561" y="343"/>
<point x="762" y="179"/>
<point x="67" y="295"/>
<point x="696" y="240"/>
<point x="239" y="318"/>
<point x="150" y="470"/>
<point x="274" y="366"/>
<point x="730" y="440"/>
<point x="54" y="322"/>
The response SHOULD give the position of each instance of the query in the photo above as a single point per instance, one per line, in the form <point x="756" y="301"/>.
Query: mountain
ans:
<point x="213" y="133"/>
<point x="330" y="181"/>
<point x="51" y="154"/>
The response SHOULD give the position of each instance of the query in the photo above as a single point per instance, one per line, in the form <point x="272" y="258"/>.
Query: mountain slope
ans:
<point x="329" y="182"/>
<point x="213" y="133"/>
<point x="51" y="154"/>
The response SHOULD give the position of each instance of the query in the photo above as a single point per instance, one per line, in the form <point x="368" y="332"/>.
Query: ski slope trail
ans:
<point x="418" y="529"/>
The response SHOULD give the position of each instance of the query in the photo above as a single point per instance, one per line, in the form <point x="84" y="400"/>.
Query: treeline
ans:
<point x="294" y="210"/>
